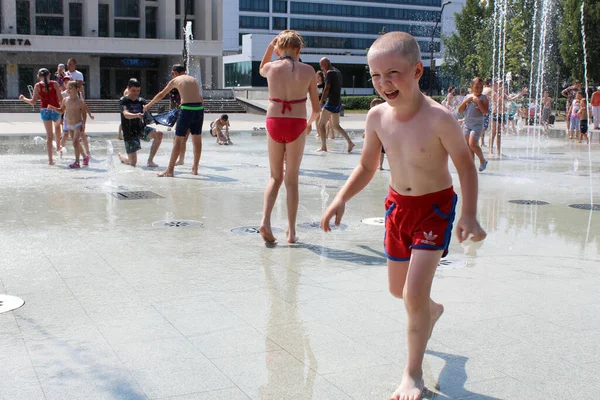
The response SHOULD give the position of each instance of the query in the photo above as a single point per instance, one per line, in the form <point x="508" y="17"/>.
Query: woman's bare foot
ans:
<point x="152" y="164"/>
<point x="291" y="236"/>
<point x="437" y="310"/>
<point x="179" y="162"/>
<point x="267" y="234"/>
<point x="320" y="149"/>
<point x="195" y="170"/>
<point x="350" y="146"/>
<point x="165" y="173"/>
<point x="411" y="388"/>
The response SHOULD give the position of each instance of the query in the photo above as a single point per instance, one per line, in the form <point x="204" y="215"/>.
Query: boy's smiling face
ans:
<point x="394" y="77"/>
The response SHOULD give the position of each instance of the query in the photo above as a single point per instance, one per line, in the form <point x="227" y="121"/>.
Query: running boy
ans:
<point x="418" y="135"/>
<point x="134" y="129"/>
<point x="476" y="104"/>
<point x="75" y="117"/>
<point x="191" y="116"/>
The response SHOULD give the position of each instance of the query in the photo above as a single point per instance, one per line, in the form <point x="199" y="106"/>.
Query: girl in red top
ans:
<point x="48" y="92"/>
<point x="596" y="107"/>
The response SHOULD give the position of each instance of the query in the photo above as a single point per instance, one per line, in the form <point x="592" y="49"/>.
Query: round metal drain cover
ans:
<point x="529" y="202"/>
<point x="251" y="230"/>
<point x="317" y="225"/>
<point x="177" y="224"/>
<point x="9" y="303"/>
<point x="379" y="221"/>
<point x="450" y="263"/>
<point x="588" y="206"/>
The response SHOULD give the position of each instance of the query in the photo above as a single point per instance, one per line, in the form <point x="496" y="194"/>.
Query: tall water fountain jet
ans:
<point x="193" y="69"/>
<point x="111" y="172"/>
<point x="587" y="100"/>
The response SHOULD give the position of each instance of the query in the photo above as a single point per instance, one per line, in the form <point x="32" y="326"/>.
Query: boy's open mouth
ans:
<point x="391" y="95"/>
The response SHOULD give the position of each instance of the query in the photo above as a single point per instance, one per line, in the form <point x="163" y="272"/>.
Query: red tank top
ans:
<point x="48" y="98"/>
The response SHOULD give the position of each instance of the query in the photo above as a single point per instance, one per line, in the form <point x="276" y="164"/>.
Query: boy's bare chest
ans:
<point x="411" y="145"/>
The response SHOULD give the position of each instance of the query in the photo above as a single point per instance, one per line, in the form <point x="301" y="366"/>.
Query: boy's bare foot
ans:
<point x="320" y="149"/>
<point x="152" y="164"/>
<point x="195" y="170"/>
<point x="350" y="147"/>
<point x="165" y="173"/>
<point x="267" y="234"/>
<point x="437" y="310"/>
<point x="179" y="162"/>
<point x="411" y="388"/>
<point x="291" y="236"/>
<point x="51" y="162"/>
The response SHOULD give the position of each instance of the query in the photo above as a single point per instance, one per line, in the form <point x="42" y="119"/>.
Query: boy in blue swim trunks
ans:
<point x="191" y="116"/>
<point x="134" y="128"/>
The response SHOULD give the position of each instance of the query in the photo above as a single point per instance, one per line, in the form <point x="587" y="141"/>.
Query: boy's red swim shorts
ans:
<point x="418" y="222"/>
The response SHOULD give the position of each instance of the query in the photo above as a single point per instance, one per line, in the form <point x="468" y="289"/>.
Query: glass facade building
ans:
<point x="336" y="28"/>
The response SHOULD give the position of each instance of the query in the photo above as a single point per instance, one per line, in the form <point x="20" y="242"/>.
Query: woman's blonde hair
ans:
<point x="289" y="39"/>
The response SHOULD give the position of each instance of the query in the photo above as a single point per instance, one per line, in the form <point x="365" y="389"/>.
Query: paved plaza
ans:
<point x="157" y="298"/>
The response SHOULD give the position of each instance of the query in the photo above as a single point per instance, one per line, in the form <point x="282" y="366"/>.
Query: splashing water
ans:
<point x="587" y="99"/>
<point x="111" y="171"/>
<point x="324" y="198"/>
<point x="193" y="70"/>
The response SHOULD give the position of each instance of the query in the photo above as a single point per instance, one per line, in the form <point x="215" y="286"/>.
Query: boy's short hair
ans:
<point x="134" y="83"/>
<point x="180" y="69"/>
<point x="290" y="39"/>
<point x="401" y="42"/>
<point x="376" y="101"/>
<point x="225" y="117"/>
<point x="476" y="80"/>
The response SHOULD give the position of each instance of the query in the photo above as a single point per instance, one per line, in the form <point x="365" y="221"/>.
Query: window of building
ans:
<point x="75" y="19"/>
<point x="318" y="25"/>
<point x="279" y="23"/>
<point x="364" y="12"/>
<point x="49" y="26"/>
<point x="249" y="22"/>
<point x="23" y="18"/>
<point x="127" y="8"/>
<point x="178" y="29"/>
<point x="177" y="7"/>
<point x="151" y="22"/>
<point x="238" y="74"/>
<point x="127" y="28"/>
<point x="188" y="5"/>
<point x="430" y="3"/>
<point x="254" y="5"/>
<point x="280" y="6"/>
<point x="329" y="42"/>
<point x="103" y="15"/>
<point x="48" y="6"/>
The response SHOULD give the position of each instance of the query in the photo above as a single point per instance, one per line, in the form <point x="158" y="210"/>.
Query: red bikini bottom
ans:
<point x="285" y="130"/>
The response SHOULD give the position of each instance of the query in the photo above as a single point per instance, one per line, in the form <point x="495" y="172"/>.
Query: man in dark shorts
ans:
<point x="134" y="128"/>
<point x="191" y="115"/>
<point x="331" y="104"/>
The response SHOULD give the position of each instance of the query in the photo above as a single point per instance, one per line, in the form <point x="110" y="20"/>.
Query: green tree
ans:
<point x="571" y="48"/>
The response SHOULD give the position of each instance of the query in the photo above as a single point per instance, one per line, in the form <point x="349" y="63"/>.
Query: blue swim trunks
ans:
<point x="49" y="115"/>
<point x="191" y="117"/>
<point x="332" y="109"/>
<point x="133" y="145"/>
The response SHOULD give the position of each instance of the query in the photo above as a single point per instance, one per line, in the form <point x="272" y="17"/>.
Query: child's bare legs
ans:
<point x="475" y="149"/>
<point x="48" y="127"/>
<point x="492" y="136"/>
<point x="86" y="143"/>
<point x="177" y="143"/>
<point x="293" y="158"/>
<point x="335" y="123"/>
<point x="197" y="142"/>
<point x="156" y="137"/>
<point x="76" y="145"/>
<point x="120" y="134"/>
<point x="183" y="149"/>
<point x="412" y="281"/>
<point x="276" y="154"/>
<point x="57" y="130"/>
<point x="322" y="128"/>
<point x="330" y="131"/>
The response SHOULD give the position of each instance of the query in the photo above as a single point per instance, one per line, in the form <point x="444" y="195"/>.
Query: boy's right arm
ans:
<point x="360" y="177"/>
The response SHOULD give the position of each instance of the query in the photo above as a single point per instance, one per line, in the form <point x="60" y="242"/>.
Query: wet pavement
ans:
<point x="157" y="298"/>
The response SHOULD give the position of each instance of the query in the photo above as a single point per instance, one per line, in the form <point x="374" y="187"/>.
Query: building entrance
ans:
<point x="115" y="73"/>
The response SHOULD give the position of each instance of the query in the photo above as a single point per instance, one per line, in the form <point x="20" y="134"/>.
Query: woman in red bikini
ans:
<point x="289" y="80"/>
